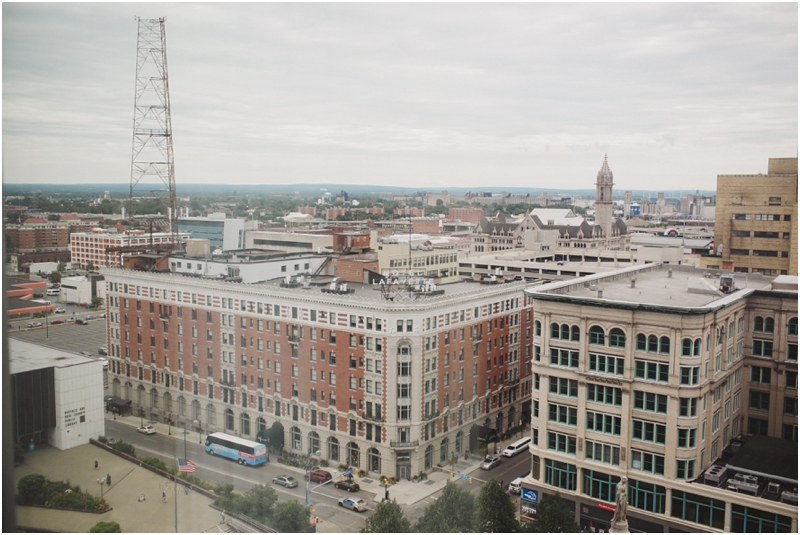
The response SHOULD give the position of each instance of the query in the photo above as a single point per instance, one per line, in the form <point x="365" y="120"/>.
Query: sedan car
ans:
<point x="490" y="462"/>
<point x="355" y="504"/>
<point x="60" y="311"/>
<point x="34" y="324"/>
<point x="84" y="353"/>
<point x="287" y="481"/>
<point x="348" y="484"/>
<point x="57" y="322"/>
<point x="103" y="350"/>
<point x="146" y="429"/>
<point x="320" y="476"/>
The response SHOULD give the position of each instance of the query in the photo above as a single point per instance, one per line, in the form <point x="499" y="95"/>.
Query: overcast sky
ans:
<point x="425" y="95"/>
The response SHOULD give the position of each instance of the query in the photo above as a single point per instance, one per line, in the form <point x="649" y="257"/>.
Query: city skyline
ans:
<point x="520" y="95"/>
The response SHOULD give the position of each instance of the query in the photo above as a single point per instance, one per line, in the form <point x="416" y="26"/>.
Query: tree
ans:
<point x="260" y="502"/>
<point x="453" y="511"/>
<point x="106" y="527"/>
<point x="89" y="266"/>
<point x="496" y="512"/>
<point x="553" y="516"/>
<point x="54" y="277"/>
<point x="387" y="518"/>
<point x="97" y="301"/>
<point x="290" y="517"/>
<point x="61" y="267"/>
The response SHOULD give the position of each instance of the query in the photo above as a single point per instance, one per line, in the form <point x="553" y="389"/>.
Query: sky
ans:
<point x="432" y="96"/>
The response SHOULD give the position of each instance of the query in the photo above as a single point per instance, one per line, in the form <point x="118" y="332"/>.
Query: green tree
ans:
<point x="290" y="517"/>
<point x="453" y="511"/>
<point x="496" y="512"/>
<point x="553" y="516"/>
<point x="387" y="518"/>
<point x="106" y="527"/>
<point x="260" y="502"/>
<point x="89" y="266"/>
<point x="97" y="301"/>
<point x="54" y="277"/>
<point x="61" y="267"/>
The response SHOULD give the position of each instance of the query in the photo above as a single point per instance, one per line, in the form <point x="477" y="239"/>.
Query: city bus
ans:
<point x="240" y="450"/>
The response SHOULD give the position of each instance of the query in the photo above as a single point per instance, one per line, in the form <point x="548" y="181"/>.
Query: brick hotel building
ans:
<point x="393" y="387"/>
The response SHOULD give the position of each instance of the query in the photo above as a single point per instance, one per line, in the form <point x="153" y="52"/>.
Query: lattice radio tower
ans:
<point x="152" y="123"/>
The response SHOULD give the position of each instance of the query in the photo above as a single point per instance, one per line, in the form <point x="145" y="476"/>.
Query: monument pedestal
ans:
<point x="619" y="527"/>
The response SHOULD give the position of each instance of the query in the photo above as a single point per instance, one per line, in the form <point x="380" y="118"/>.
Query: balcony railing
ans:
<point x="412" y="444"/>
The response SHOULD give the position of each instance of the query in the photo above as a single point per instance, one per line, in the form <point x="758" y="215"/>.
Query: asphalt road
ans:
<point x="67" y="336"/>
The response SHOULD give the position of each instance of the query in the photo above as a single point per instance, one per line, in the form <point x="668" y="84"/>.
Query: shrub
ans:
<point x="155" y="463"/>
<point x="361" y="473"/>
<point x="124" y="447"/>
<point x="31" y="490"/>
<point x="102" y="439"/>
<point x="105" y="527"/>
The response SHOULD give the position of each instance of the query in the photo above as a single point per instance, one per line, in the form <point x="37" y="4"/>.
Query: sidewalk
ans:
<point x="405" y="492"/>
<point x="128" y="480"/>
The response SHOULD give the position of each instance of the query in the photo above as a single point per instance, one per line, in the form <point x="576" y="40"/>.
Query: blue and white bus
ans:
<point x="240" y="450"/>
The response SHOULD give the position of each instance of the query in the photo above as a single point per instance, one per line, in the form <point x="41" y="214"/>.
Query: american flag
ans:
<point x="185" y="465"/>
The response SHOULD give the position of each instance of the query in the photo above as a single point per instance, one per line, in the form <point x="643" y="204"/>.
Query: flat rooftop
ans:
<point x="767" y="456"/>
<point x="654" y="285"/>
<point x="25" y="356"/>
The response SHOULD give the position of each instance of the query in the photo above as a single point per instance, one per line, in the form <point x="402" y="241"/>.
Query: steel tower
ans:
<point x="152" y="154"/>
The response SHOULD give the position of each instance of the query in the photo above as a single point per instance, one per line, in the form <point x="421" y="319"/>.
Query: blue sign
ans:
<point x="530" y="495"/>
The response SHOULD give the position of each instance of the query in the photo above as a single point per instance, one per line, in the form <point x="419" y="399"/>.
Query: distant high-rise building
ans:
<point x="756" y="220"/>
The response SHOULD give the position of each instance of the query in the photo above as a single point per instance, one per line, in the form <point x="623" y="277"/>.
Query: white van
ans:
<point x="53" y="291"/>
<point x="517" y="447"/>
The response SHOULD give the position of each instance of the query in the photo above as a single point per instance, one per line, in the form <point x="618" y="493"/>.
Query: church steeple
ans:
<point x="603" y="204"/>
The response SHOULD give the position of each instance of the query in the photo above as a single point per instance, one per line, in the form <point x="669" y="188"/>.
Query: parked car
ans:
<point x="84" y="353"/>
<point x="490" y="462"/>
<point x="70" y="320"/>
<point x="91" y="307"/>
<point x="355" y="504"/>
<point x="34" y="324"/>
<point x="146" y="429"/>
<point x="71" y="303"/>
<point x="320" y="476"/>
<point x="61" y="311"/>
<point x="515" y="487"/>
<point x="81" y="321"/>
<point x="103" y="315"/>
<point x="287" y="481"/>
<point x="57" y="322"/>
<point x="103" y="350"/>
<point x="90" y="317"/>
<point x="348" y="484"/>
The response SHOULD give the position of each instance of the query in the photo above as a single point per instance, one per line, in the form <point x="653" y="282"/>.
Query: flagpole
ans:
<point x="176" y="498"/>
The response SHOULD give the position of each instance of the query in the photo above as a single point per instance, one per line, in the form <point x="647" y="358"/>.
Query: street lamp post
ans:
<point x="141" y="414"/>
<point x="169" y="424"/>
<point x="308" y="475"/>
<point x="101" y="481"/>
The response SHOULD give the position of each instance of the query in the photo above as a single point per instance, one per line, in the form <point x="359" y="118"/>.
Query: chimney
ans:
<point x="599" y="293"/>
<point x="633" y="282"/>
<point x="669" y="273"/>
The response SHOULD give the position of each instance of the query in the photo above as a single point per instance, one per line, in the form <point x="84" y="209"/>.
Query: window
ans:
<point x="690" y="375"/>
<point x="750" y="520"/>
<point x="687" y="408"/>
<point x="603" y="423"/>
<point x="603" y="394"/>
<point x="649" y="432"/>
<point x="616" y="338"/>
<point x="647" y="462"/>
<point x="599" y="485"/>
<point x="757" y="426"/>
<point x="564" y="387"/>
<point x="562" y="414"/>
<point x="602" y="453"/>
<point x="651" y="371"/>
<point x="647" y="496"/>
<point x="597" y="335"/>
<point x="690" y="348"/>
<point x="606" y="364"/>
<point x="760" y="375"/>
<point x="650" y="402"/>
<point x="563" y="357"/>
<point x="561" y="442"/>
<point x="762" y="348"/>
<point x="764" y="325"/>
<point x="793" y="327"/>
<point x="759" y="400"/>
<point x="686" y="437"/>
<point x="561" y="475"/>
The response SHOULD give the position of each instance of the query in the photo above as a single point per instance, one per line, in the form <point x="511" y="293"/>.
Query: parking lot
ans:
<point x="67" y="336"/>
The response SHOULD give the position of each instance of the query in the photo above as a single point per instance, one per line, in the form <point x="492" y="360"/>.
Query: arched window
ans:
<point x="196" y="411"/>
<point x="641" y="342"/>
<point x="686" y="347"/>
<point x="374" y="460"/>
<point x="555" y="330"/>
<point x="616" y="338"/>
<point x="154" y="398"/>
<point x="697" y="344"/>
<point x="128" y="389"/>
<point x="313" y="443"/>
<point x="181" y="406"/>
<point x="211" y="415"/>
<point x="537" y="327"/>
<point x="444" y="450"/>
<point x="244" y="424"/>
<point x="428" y="457"/>
<point x="575" y="334"/>
<point x="167" y="402"/>
<point x="333" y="449"/>
<point x="565" y="332"/>
<point x="228" y="420"/>
<point x="354" y="454"/>
<point x="597" y="335"/>
<point x="769" y="325"/>
<point x="793" y="327"/>
<point x="664" y="345"/>
<point x="297" y="439"/>
<point x="459" y="442"/>
<point x="652" y="344"/>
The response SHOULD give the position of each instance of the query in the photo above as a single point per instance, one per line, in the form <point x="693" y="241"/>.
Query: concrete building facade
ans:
<point x="756" y="221"/>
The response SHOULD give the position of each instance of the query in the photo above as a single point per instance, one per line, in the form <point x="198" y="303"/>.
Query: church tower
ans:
<point x="603" y="205"/>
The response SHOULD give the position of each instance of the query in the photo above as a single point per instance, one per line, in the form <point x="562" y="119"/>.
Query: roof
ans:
<point x="558" y="216"/>
<point x="768" y="456"/>
<point x="26" y="356"/>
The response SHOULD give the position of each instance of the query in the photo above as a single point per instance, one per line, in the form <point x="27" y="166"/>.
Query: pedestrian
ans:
<point x="501" y="484"/>
<point x="387" y="494"/>
<point x="108" y="479"/>
<point x="222" y="516"/>
<point x="96" y="464"/>
<point x="163" y="496"/>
